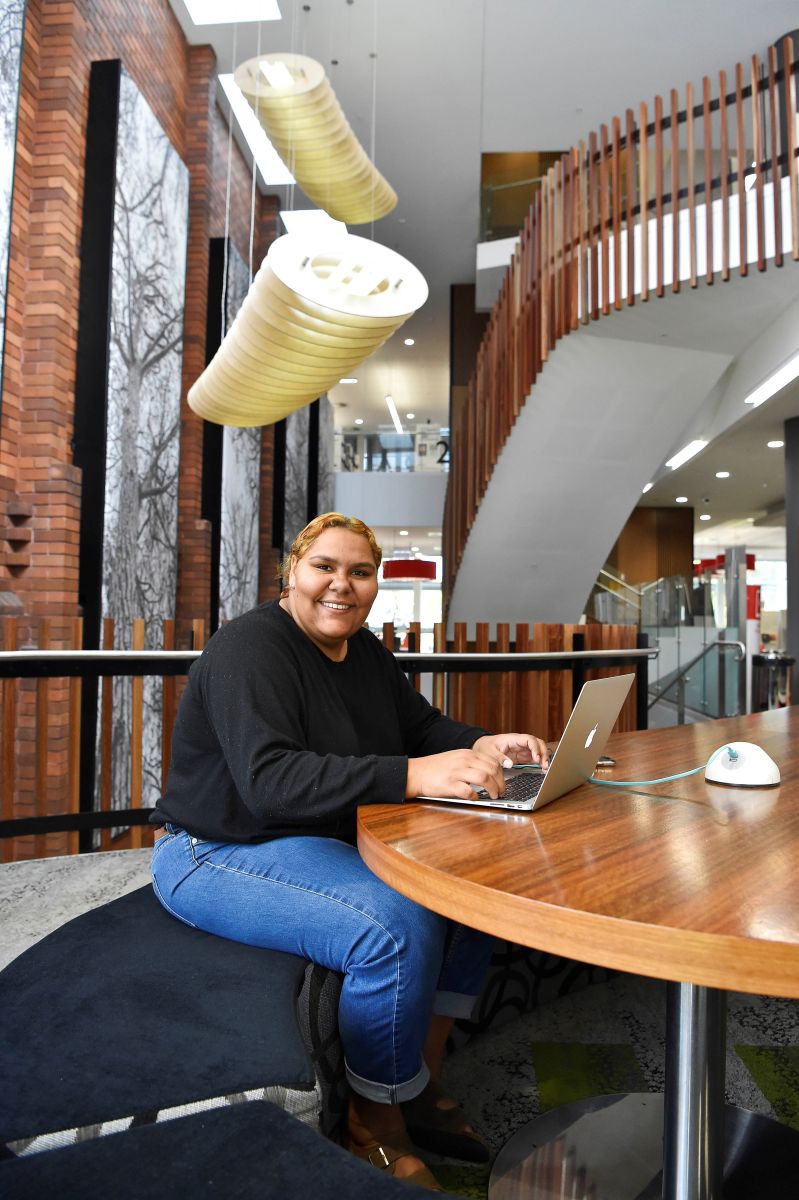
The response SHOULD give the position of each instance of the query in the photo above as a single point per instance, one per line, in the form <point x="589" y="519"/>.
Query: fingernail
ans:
<point x="507" y="762"/>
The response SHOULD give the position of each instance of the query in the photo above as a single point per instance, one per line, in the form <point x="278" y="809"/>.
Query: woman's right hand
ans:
<point x="454" y="773"/>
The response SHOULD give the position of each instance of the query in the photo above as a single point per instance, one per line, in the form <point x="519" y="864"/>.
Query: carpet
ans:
<point x="609" y="1038"/>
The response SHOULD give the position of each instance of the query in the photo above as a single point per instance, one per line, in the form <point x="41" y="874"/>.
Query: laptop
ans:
<point x="575" y="759"/>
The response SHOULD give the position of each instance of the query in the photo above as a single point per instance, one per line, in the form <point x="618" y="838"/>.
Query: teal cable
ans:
<point x="620" y="783"/>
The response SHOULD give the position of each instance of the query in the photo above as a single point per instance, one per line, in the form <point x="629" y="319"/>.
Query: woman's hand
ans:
<point x="510" y="748"/>
<point x="456" y="773"/>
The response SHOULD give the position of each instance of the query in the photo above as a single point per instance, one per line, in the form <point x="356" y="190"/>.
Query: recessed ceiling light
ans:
<point x="647" y="488"/>
<point x="683" y="455"/>
<point x="722" y="474"/>
<point x="681" y="499"/>
<point x="705" y="517"/>
<point x="403" y="533"/>
<point x="775" y="445"/>
<point x="348" y="379"/>
<point x="410" y="342"/>
<point x="411" y="416"/>
<point x="359" y="420"/>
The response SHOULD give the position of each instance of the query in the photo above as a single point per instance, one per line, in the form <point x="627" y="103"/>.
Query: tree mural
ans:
<point x="241" y="484"/>
<point x="326" y="484"/>
<point x="12" y="19"/>
<point x="144" y="383"/>
<point x="296" y="494"/>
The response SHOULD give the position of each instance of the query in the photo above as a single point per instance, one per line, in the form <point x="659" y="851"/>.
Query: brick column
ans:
<point x="194" y="534"/>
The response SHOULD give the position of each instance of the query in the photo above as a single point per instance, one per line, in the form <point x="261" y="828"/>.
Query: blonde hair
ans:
<point x="307" y="536"/>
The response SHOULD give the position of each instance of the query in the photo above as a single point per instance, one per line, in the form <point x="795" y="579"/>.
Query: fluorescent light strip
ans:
<point x="269" y="162"/>
<point x="769" y="387"/>
<point x="683" y="455"/>
<point x="392" y="408"/>
<point x="231" y="12"/>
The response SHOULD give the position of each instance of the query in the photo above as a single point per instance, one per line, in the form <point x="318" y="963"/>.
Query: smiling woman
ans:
<point x="332" y="581"/>
<point x="293" y="717"/>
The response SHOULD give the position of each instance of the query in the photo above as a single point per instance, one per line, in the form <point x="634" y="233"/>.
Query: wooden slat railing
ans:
<point x="568" y="268"/>
<point x="532" y="698"/>
<point x="42" y="732"/>
<point x="43" y="809"/>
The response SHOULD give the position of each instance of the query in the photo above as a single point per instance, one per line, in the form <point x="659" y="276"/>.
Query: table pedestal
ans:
<point x="685" y="1145"/>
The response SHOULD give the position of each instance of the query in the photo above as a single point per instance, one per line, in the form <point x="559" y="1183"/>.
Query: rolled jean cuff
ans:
<point x="453" y="1004"/>
<point x="388" y="1093"/>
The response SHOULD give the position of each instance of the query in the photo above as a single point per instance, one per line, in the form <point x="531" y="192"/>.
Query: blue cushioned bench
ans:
<point x="124" y="1022"/>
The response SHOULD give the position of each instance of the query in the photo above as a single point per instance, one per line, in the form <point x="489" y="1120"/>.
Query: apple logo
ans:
<point x="590" y="737"/>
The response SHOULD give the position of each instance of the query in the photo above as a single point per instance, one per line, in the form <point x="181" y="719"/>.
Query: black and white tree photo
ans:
<point x="143" y="407"/>
<point x="241" y="483"/>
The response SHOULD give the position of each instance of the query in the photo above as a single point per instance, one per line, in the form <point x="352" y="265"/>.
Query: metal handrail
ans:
<point x="618" y="596"/>
<point x="94" y="664"/>
<point x="622" y="583"/>
<point x="56" y="664"/>
<point x="680" y="679"/>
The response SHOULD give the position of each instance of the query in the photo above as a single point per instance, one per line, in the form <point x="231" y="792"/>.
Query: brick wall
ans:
<point x="39" y="486"/>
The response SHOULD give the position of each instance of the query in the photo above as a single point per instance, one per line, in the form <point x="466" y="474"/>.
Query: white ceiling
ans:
<point x="454" y="78"/>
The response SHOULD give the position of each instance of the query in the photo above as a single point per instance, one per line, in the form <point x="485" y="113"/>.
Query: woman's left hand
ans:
<point x="510" y="748"/>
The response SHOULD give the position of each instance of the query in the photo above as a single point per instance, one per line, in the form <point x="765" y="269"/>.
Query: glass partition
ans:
<point x="386" y="450"/>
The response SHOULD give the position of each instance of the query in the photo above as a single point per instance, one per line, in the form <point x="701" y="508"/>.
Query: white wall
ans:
<point x="392" y="498"/>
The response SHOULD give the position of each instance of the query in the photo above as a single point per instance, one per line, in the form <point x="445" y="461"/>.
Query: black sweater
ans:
<point x="273" y="738"/>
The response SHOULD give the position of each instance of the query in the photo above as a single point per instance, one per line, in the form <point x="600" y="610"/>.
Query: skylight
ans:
<point x="271" y="166"/>
<point x="231" y="12"/>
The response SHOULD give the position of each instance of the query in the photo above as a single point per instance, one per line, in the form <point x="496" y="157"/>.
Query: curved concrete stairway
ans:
<point x="615" y="400"/>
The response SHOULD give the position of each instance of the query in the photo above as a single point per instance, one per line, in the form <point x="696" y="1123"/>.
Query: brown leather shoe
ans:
<point x="444" y="1130"/>
<point x="384" y="1155"/>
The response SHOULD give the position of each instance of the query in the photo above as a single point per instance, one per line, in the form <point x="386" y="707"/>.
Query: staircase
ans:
<point x="655" y="285"/>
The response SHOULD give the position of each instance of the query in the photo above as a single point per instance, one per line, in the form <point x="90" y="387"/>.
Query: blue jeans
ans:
<point x="315" y="897"/>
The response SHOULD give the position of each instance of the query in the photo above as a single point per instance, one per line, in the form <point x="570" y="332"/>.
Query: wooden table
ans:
<point x="686" y="881"/>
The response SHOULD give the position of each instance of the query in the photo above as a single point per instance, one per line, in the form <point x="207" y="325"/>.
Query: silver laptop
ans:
<point x="575" y="759"/>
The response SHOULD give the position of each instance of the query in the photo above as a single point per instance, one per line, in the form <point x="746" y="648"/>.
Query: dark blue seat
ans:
<point x="125" y="1011"/>
<point x="251" y="1151"/>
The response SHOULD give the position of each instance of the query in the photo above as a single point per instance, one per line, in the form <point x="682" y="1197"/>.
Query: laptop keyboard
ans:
<point x="521" y="787"/>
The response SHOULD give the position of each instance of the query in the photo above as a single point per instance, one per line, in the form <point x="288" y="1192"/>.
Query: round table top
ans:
<point x="687" y="881"/>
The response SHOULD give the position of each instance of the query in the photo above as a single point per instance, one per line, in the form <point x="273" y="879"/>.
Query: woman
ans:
<point x="293" y="716"/>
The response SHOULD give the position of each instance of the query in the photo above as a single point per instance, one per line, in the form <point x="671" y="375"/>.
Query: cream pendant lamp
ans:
<point x="294" y="102"/>
<point x="316" y="309"/>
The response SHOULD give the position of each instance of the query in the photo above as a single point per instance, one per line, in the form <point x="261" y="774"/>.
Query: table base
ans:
<point x="611" y="1148"/>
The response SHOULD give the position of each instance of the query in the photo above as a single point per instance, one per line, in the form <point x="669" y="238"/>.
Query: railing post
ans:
<point x="642" y="683"/>
<point x="722" y="678"/>
<point x="681" y="682"/>
<point x="578" y="669"/>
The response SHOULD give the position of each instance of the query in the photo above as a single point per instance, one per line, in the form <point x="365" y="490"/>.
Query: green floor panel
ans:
<point x="463" y="1179"/>
<point x="569" y="1071"/>
<point x="775" y="1070"/>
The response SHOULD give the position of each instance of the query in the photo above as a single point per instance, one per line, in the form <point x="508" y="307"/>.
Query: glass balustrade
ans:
<point x="425" y="449"/>
<point x="693" y="677"/>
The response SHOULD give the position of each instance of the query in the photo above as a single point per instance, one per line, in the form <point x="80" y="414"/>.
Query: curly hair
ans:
<point x="307" y="536"/>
